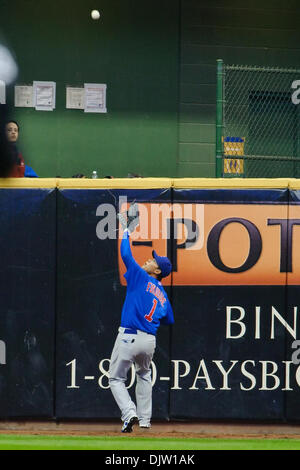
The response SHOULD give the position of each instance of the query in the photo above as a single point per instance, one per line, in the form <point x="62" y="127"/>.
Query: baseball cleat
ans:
<point x="128" y="425"/>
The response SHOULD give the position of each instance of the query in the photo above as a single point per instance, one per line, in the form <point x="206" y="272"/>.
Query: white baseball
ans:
<point x="95" y="14"/>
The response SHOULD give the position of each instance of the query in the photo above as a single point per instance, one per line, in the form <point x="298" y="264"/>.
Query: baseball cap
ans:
<point x="164" y="264"/>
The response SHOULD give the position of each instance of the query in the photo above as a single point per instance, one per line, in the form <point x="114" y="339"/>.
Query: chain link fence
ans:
<point x="260" y="122"/>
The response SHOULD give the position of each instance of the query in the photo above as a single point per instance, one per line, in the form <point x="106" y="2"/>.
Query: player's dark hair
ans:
<point x="159" y="277"/>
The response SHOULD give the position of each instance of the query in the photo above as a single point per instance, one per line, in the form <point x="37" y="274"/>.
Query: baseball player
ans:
<point x="146" y="306"/>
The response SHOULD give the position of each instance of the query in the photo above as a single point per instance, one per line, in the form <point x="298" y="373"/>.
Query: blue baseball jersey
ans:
<point x="146" y="304"/>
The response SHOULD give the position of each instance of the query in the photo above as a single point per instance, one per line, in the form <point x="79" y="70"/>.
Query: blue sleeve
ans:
<point x="132" y="266"/>
<point x="126" y="250"/>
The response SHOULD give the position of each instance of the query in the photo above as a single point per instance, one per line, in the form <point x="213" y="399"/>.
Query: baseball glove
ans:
<point x="130" y="219"/>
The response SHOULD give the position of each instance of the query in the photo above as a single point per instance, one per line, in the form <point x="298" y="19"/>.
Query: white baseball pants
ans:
<point x="137" y="349"/>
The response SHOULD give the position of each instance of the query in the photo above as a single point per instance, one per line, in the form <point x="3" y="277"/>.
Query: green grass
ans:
<point x="130" y="443"/>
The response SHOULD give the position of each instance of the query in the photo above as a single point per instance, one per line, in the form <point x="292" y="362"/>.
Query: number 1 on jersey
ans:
<point x="151" y="313"/>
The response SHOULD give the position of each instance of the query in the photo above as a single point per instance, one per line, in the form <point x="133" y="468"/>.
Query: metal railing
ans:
<point x="258" y="122"/>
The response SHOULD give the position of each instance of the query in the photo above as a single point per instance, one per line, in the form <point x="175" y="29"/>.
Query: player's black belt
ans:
<point x="130" y="331"/>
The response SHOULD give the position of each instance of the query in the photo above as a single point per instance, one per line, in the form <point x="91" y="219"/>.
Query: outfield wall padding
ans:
<point x="232" y="353"/>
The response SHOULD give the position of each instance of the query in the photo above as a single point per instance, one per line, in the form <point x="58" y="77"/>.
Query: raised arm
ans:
<point x="126" y="250"/>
